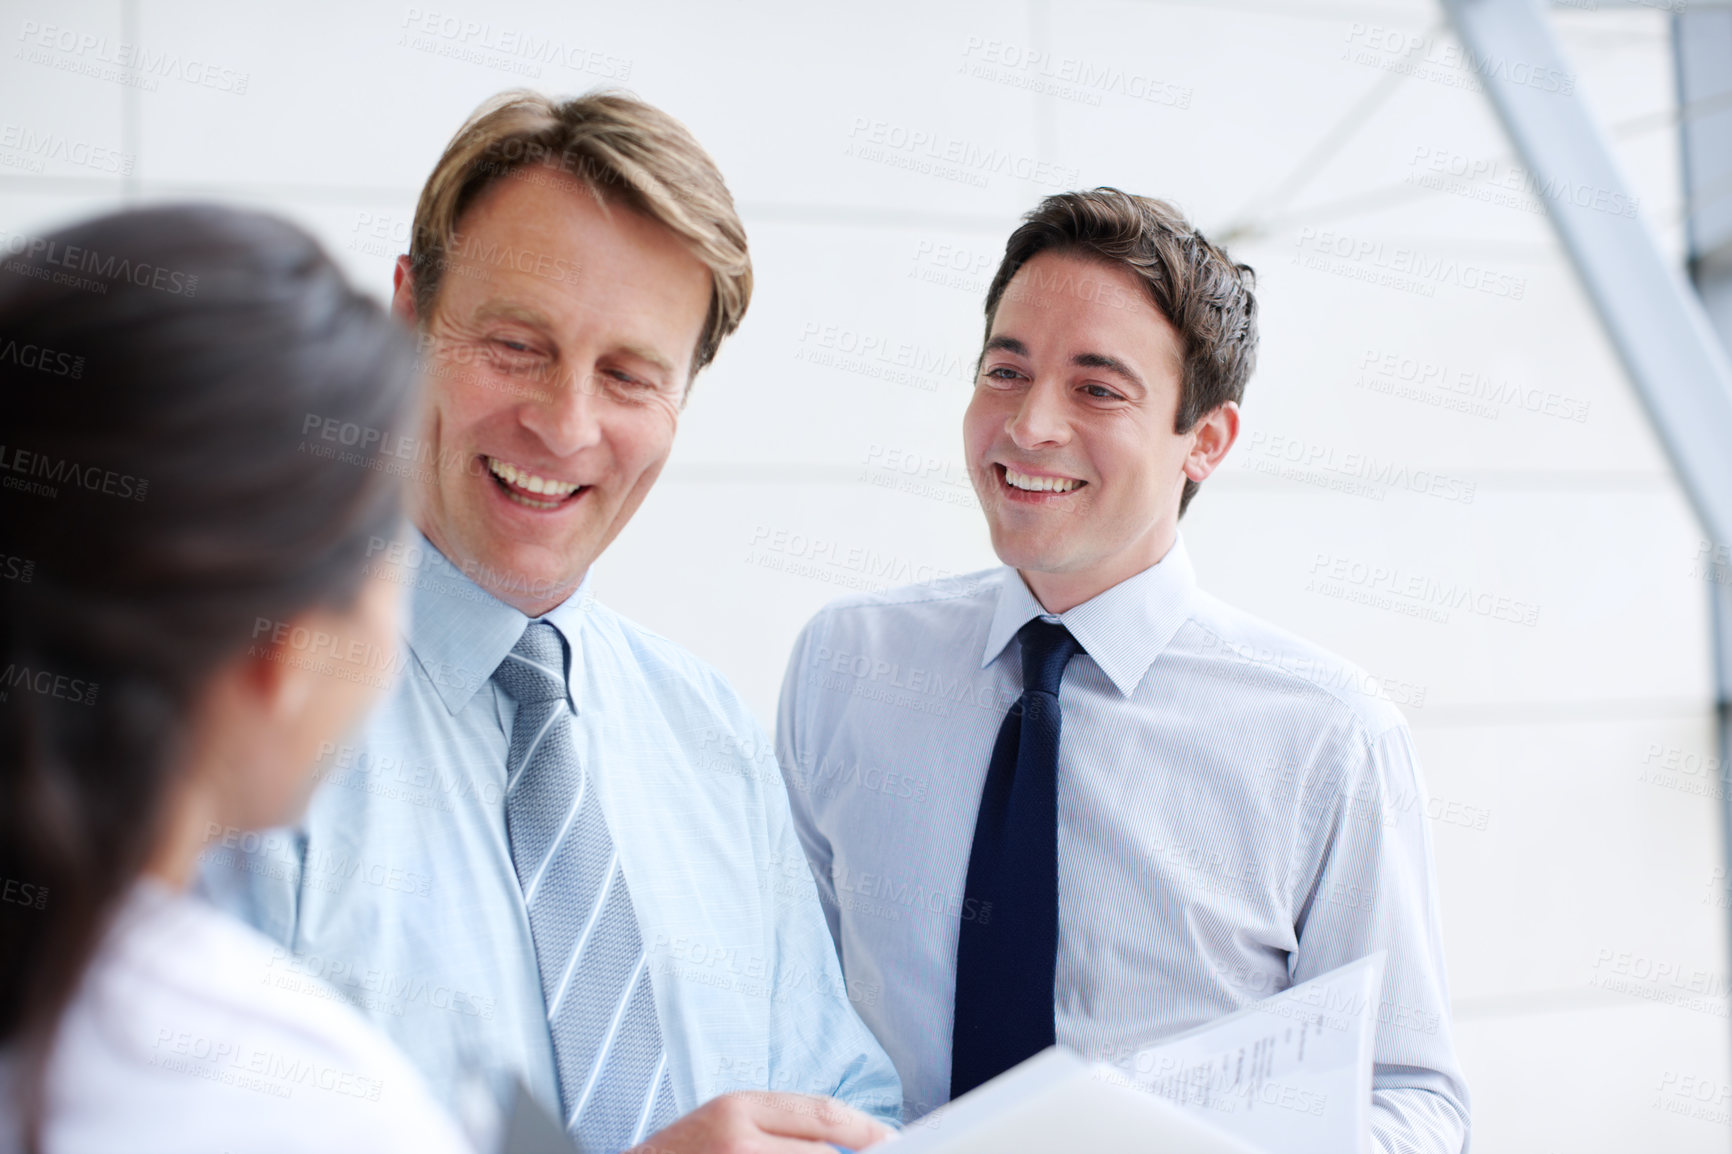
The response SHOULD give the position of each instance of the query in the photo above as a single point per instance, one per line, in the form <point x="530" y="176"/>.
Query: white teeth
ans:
<point x="523" y="478"/>
<point x="1018" y="480"/>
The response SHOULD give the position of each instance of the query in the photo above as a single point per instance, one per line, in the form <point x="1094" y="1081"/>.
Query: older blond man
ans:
<point x="608" y="896"/>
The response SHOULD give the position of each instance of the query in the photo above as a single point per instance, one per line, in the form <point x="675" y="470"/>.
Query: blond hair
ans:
<point x="618" y="146"/>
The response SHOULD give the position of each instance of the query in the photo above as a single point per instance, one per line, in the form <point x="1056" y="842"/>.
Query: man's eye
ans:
<point x="625" y="384"/>
<point x="1003" y="373"/>
<point x="1101" y="392"/>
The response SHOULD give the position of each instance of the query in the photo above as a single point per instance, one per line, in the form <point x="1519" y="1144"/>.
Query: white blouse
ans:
<point x="193" y="1034"/>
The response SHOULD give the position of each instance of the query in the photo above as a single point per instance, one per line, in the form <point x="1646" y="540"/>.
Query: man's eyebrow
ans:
<point x="1007" y="344"/>
<point x="1110" y="364"/>
<point x="645" y="353"/>
<point x="511" y="311"/>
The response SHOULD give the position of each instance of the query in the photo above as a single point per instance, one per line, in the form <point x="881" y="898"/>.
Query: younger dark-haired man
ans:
<point x="1223" y="816"/>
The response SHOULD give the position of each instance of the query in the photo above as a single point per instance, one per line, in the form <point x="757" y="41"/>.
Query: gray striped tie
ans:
<point x="613" y="1076"/>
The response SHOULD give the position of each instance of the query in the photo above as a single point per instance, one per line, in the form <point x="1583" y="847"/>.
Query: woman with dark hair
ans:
<point x="186" y="613"/>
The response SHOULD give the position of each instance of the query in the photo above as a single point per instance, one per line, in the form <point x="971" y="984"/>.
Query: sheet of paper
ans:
<point x="1290" y="1074"/>
<point x="1055" y="1101"/>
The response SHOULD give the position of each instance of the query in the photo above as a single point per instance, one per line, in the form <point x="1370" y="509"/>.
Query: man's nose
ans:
<point x="566" y="414"/>
<point x="1040" y="418"/>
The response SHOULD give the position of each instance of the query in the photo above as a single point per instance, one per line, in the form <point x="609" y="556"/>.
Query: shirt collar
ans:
<point x="1123" y="628"/>
<point x="460" y="632"/>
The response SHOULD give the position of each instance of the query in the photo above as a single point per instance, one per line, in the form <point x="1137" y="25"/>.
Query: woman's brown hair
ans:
<point x="159" y="493"/>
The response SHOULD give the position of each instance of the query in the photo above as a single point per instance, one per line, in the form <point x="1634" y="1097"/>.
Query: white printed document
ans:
<point x="1289" y="1075"/>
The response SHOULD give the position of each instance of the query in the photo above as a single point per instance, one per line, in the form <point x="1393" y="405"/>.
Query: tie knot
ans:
<point x="534" y="670"/>
<point x="1047" y="648"/>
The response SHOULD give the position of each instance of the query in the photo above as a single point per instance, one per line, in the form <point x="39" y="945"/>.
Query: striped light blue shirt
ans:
<point x="398" y="889"/>
<point x="1238" y="812"/>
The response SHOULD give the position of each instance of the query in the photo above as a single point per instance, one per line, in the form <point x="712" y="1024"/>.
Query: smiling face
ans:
<point x="559" y="351"/>
<point x="1069" y="435"/>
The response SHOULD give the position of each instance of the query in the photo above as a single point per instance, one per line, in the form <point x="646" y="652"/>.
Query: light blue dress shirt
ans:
<point x="398" y="888"/>
<point x="1238" y="812"/>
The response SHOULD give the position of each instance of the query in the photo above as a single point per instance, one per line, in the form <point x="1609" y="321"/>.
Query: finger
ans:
<point x="773" y="1145"/>
<point x="817" y="1119"/>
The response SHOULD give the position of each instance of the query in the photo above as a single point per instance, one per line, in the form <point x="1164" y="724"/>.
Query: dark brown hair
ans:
<point x="1200" y="289"/>
<point x="158" y="372"/>
<point x="620" y="148"/>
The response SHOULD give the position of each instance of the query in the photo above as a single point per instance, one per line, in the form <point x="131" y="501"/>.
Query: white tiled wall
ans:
<point x="1566" y="851"/>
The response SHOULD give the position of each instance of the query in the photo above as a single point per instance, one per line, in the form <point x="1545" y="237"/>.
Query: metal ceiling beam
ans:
<point x="1702" y="59"/>
<point x="1670" y="349"/>
<point x="1648" y="308"/>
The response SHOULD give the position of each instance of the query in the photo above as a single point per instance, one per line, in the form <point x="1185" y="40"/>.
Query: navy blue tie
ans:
<point x="1007" y="952"/>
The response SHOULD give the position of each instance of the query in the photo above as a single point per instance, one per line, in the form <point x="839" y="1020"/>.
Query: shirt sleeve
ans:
<point x="1366" y="883"/>
<point x="796" y="760"/>
<point x="256" y="877"/>
<point x="818" y="1044"/>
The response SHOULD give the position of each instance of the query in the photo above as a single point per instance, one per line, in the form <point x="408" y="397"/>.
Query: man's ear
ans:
<point x="403" y="292"/>
<point x="1211" y="438"/>
<point x="274" y="685"/>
